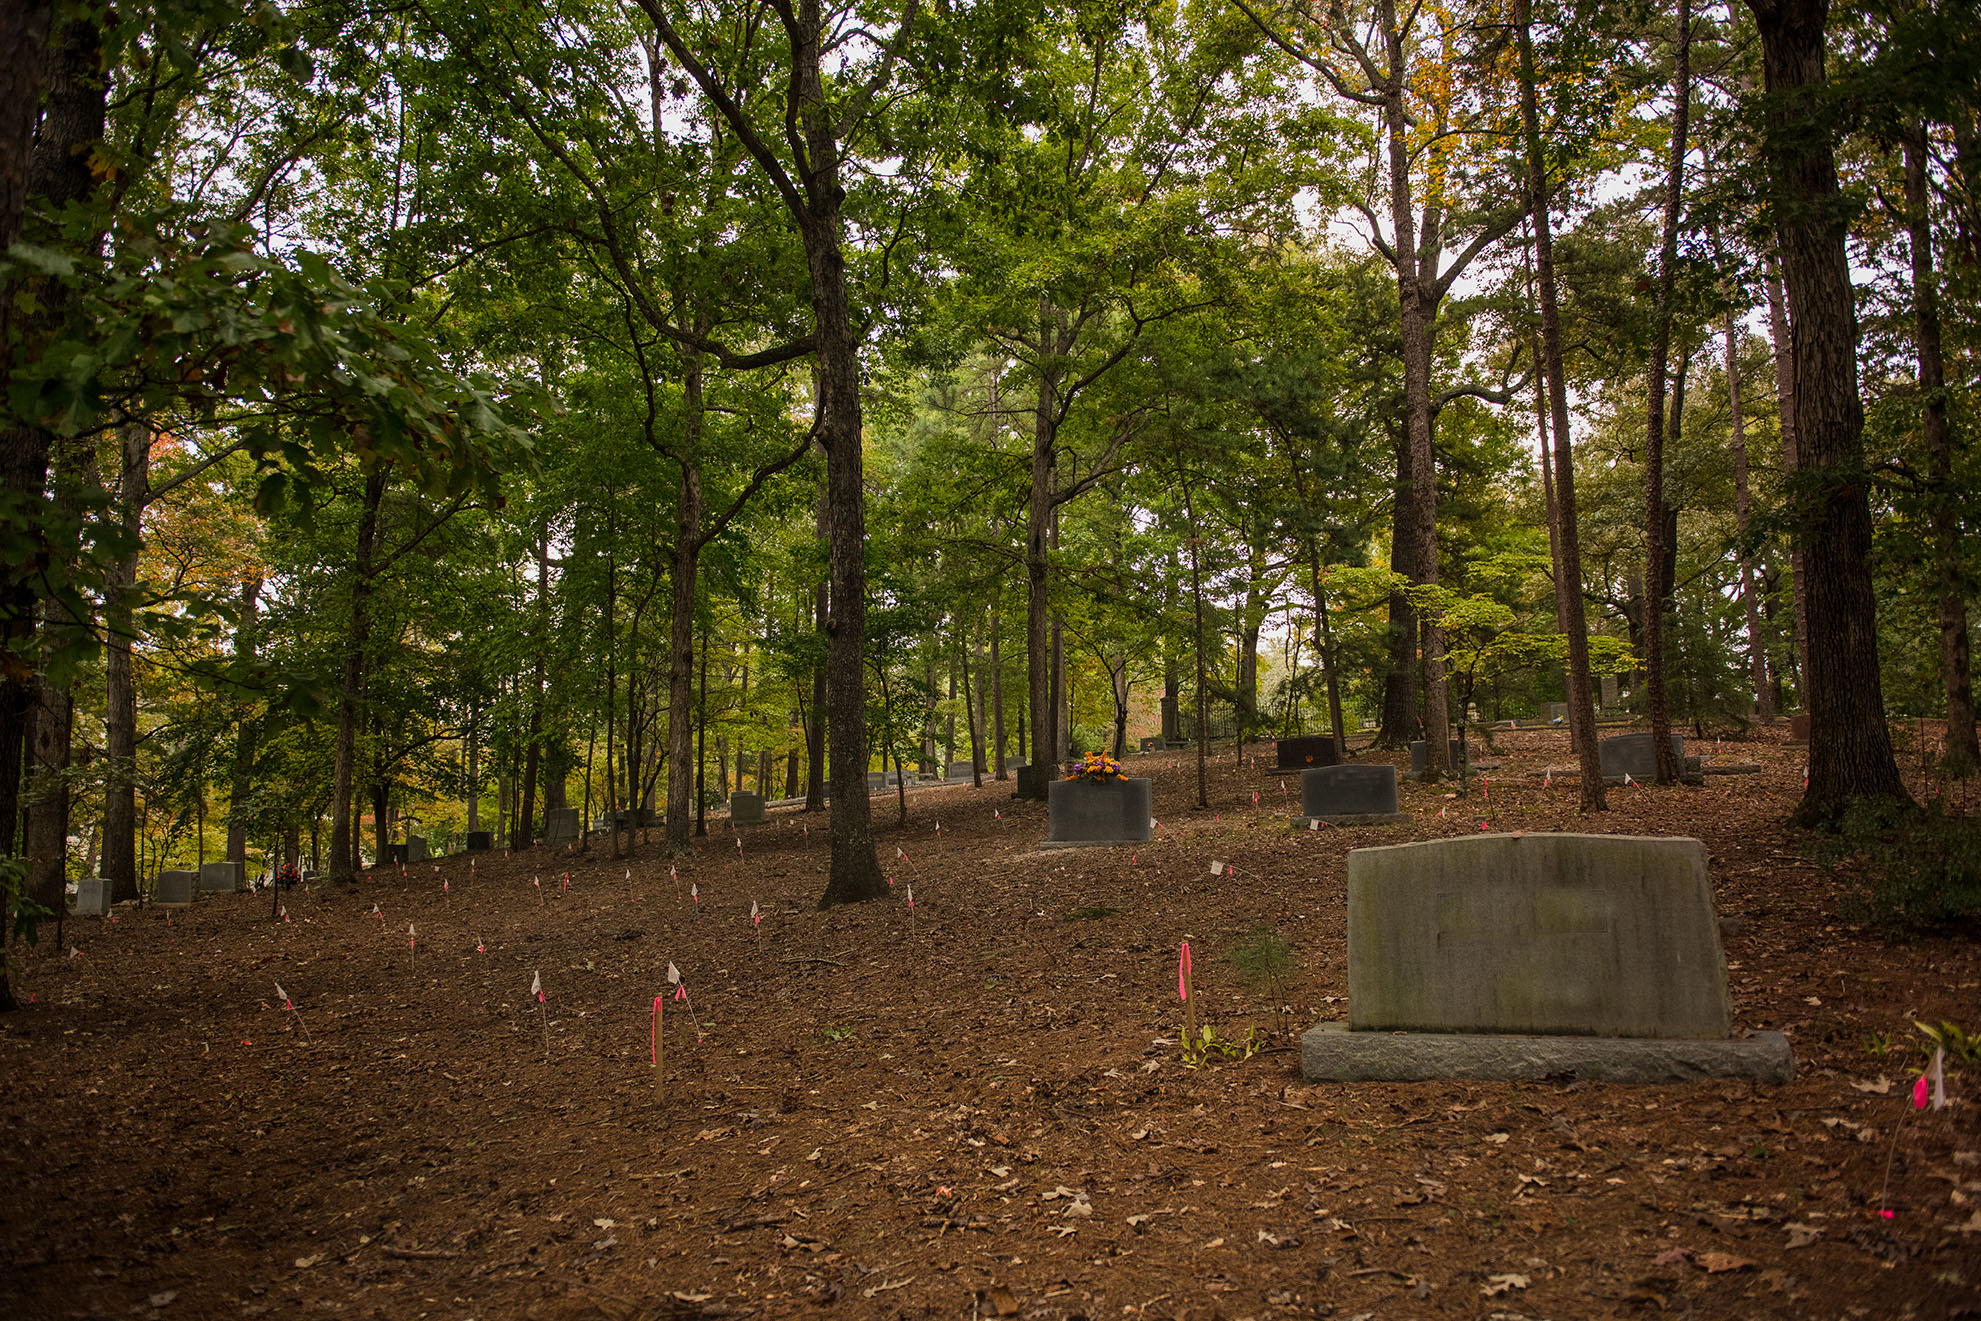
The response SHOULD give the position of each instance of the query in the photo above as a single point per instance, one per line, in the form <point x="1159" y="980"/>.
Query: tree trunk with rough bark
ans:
<point x="239" y="788"/>
<point x="1656" y="550"/>
<point x="120" y="711"/>
<point x="1850" y="750"/>
<point x="1581" y="703"/>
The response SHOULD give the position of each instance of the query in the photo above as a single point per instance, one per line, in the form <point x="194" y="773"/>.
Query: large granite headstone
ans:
<point x="174" y="889"/>
<point x="1553" y="711"/>
<point x="746" y="809"/>
<point x="416" y="848"/>
<point x="1534" y="955"/>
<point x="1152" y="745"/>
<point x="1297" y="754"/>
<point x="93" y="897"/>
<point x="480" y="841"/>
<point x="222" y="877"/>
<point x="1611" y="697"/>
<point x="1086" y="811"/>
<point x="1634" y="754"/>
<point x="961" y="770"/>
<point x="1027" y="776"/>
<point x="1348" y="796"/>
<point x="560" y="825"/>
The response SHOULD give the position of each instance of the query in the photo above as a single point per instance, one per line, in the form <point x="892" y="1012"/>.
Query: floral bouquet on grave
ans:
<point x="1099" y="767"/>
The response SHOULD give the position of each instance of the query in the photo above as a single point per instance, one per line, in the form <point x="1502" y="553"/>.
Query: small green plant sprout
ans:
<point x="1960" y="1046"/>
<point x="836" y="1033"/>
<point x="1205" y="1044"/>
<point x="1265" y="960"/>
<point x="1878" y="1044"/>
<point x="1090" y="913"/>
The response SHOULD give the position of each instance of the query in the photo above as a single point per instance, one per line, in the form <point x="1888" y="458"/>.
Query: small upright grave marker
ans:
<point x="1348" y="796"/>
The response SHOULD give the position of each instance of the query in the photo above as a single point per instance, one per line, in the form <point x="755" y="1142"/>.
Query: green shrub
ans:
<point x="1912" y="871"/>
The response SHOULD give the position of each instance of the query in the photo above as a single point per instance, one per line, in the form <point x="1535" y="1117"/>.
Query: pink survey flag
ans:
<point x="1217" y="869"/>
<point x="536" y="986"/>
<point x="911" y="894"/>
<point x="695" y="892"/>
<point x="1183" y="973"/>
<point x="756" y="917"/>
<point x="673" y="975"/>
<point x="409" y="935"/>
<point x="285" y="996"/>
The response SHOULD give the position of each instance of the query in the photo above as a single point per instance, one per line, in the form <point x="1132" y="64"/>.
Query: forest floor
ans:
<point x="976" y="1108"/>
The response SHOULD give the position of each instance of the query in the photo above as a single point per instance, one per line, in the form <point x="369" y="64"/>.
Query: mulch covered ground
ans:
<point x="972" y="1109"/>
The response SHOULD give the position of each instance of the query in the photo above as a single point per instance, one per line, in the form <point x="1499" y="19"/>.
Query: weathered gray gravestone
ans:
<point x="222" y="877"/>
<point x="416" y="848"/>
<point x="1348" y="796"/>
<point x="1306" y="750"/>
<point x="1610" y="695"/>
<point x="1635" y="754"/>
<point x="93" y="897"/>
<point x="1152" y="745"/>
<point x="1099" y="812"/>
<point x="1554" y="711"/>
<point x="962" y="770"/>
<point x="746" y="809"/>
<point x="480" y="841"/>
<point x="174" y="889"/>
<point x="1529" y="956"/>
<point x="560" y="824"/>
<point x="1027" y="776"/>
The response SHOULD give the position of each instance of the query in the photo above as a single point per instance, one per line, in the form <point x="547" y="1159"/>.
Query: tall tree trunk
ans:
<point x="1568" y="600"/>
<point x="533" y="753"/>
<point x="1850" y="749"/>
<point x="1418" y="310"/>
<point x="1783" y="342"/>
<point x="54" y="172"/>
<point x="1757" y="650"/>
<point x="239" y="789"/>
<point x="1197" y="639"/>
<point x="970" y="714"/>
<point x="343" y="837"/>
<point x="1401" y="723"/>
<point x="1962" y="754"/>
<point x="120" y="712"/>
<point x="997" y="691"/>
<point x="1042" y="705"/>
<point x="1655" y="549"/>
<point x="682" y="764"/>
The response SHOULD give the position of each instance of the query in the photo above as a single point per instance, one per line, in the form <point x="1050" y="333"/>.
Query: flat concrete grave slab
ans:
<point x="93" y="897"/>
<point x="1302" y="751"/>
<point x="1595" y="955"/>
<point x="1348" y="796"/>
<point x="1334" y="1053"/>
<point x="175" y="889"/>
<point x="222" y="877"/>
<point x="1099" y="812"/>
<point x="480" y="841"/>
<point x="746" y="809"/>
<point x="560" y="825"/>
<point x="1635" y="754"/>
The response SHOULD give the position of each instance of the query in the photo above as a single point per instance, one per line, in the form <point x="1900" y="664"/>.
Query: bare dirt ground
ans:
<point x="972" y="1109"/>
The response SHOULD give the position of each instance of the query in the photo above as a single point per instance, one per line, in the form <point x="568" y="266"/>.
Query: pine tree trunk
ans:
<point x="120" y="712"/>
<point x="1581" y="704"/>
<point x="1850" y="751"/>
<point x="1656" y="551"/>
<point x="1757" y="651"/>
